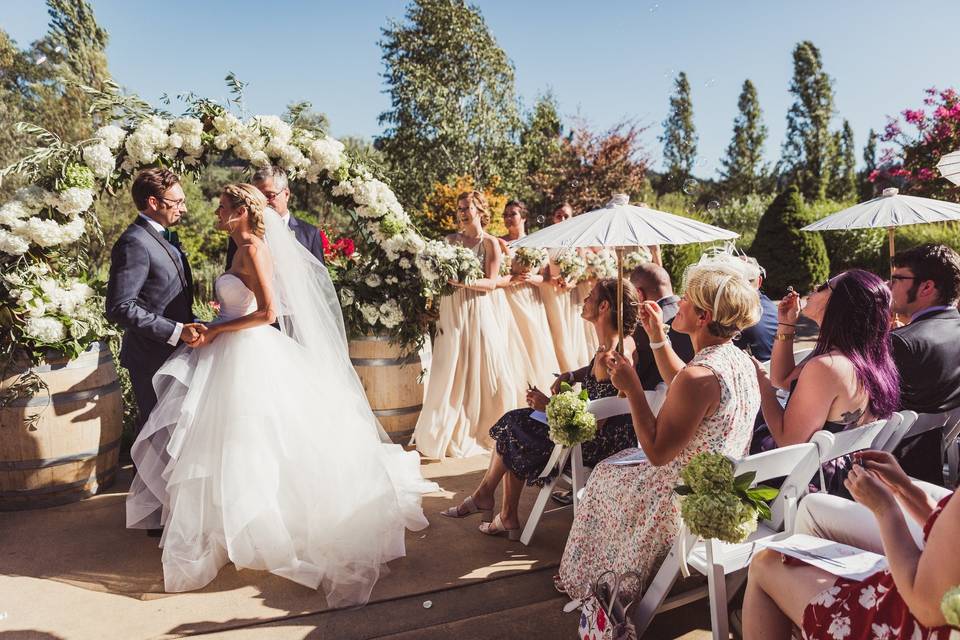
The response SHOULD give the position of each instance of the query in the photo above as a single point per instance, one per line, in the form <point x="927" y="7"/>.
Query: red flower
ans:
<point x="326" y="243"/>
<point x="214" y="305"/>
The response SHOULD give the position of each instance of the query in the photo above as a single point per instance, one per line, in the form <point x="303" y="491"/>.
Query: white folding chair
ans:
<point x="717" y="560"/>
<point x="948" y="422"/>
<point x="834" y="445"/>
<point x="577" y="478"/>
<point x="890" y="438"/>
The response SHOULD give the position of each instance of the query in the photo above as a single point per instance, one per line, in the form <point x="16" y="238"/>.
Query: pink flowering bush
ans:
<point x="910" y="161"/>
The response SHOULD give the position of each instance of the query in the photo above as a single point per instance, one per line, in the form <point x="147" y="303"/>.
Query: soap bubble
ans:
<point x="654" y="7"/>
<point x="575" y="184"/>
<point x="690" y="186"/>
<point x="709" y="83"/>
<point x="540" y="220"/>
<point x="40" y="60"/>
<point x="701" y="162"/>
<point x="713" y="205"/>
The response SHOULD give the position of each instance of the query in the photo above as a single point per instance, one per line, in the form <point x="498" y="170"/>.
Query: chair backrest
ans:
<point x="614" y="406"/>
<point x="799" y="463"/>
<point x="834" y="445"/>
<point x="890" y="439"/>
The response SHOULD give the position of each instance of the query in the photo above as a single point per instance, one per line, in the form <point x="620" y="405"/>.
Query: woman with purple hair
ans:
<point x="849" y="379"/>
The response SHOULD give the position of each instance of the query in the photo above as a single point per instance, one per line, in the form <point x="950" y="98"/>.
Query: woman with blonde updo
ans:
<point x="474" y="376"/>
<point x="262" y="449"/>
<point x="628" y="518"/>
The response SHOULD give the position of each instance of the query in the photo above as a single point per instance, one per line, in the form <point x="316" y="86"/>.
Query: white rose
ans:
<point x="370" y="313"/>
<point x="111" y="135"/>
<point x="45" y="329"/>
<point x="26" y="295"/>
<point x="346" y="297"/>
<point x="327" y="154"/>
<point x="372" y="280"/>
<point x="404" y="263"/>
<point x="100" y="159"/>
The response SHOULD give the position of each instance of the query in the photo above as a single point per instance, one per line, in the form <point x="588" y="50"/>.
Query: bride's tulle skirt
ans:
<point x="257" y="456"/>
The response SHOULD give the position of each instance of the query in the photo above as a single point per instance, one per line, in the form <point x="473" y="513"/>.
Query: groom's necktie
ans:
<point x="171" y="237"/>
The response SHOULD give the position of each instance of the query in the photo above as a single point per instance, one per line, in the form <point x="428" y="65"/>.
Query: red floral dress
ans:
<point x="868" y="609"/>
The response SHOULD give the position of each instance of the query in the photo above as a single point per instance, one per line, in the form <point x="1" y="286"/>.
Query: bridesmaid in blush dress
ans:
<point x="522" y="294"/>
<point x="472" y="382"/>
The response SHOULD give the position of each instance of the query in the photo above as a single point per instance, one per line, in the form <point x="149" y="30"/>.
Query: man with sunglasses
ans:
<point x="925" y="286"/>
<point x="272" y="183"/>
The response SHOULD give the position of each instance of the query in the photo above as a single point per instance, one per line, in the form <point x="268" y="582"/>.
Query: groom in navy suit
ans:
<point x="272" y="183"/>
<point x="150" y="292"/>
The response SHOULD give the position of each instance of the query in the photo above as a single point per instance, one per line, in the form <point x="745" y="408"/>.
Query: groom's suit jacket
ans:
<point x="305" y="233"/>
<point x="149" y="292"/>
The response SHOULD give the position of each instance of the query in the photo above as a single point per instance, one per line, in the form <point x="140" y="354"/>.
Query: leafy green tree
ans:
<point x="546" y="156"/>
<point x="744" y="171"/>
<point x="453" y="107"/>
<point x="869" y="165"/>
<point x="679" y="136"/>
<point x="807" y="150"/>
<point x="843" y="183"/>
<point x="791" y="257"/>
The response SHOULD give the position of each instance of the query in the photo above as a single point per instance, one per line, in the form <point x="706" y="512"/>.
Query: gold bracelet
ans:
<point x="783" y="337"/>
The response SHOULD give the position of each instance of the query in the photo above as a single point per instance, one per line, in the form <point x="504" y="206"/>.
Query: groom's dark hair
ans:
<point x="151" y="182"/>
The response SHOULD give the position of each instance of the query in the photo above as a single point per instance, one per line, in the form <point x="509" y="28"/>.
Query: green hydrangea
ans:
<point x="569" y="421"/>
<point x="950" y="606"/>
<point x="78" y="175"/>
<point x="391" y="226"/>
<point x="718" y="515"/>
<point x="708" y="473"/>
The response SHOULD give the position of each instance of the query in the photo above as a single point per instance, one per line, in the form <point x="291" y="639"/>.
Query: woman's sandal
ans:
<point x="467" y="508"/>
<point x="496" y="527"/>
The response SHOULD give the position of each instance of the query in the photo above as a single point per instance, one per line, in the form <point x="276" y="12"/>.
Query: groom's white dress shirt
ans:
<point x="175" y="336"/>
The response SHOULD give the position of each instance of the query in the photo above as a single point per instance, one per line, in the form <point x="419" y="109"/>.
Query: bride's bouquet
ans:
<point x="601" y="264"/>
<point x="567" y="416"/>
<point x="635" y="258"/>
<point x="528" y="259"/>
<point x="714" y="504"/>
<point x="572" y="266"/>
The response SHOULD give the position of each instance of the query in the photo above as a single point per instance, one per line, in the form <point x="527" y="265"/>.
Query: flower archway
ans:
<point x="49" y="301"/>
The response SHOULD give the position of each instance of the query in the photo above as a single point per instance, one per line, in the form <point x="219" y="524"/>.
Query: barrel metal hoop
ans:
<point x="98" y="478"/>
<point x="42" y="463"/>
<point x="43" y="400"/>
<point x="84" y="361"/>
<point x="385" y="362"/>
<point x="399" y="411"/>
<point x="371" y="339"/>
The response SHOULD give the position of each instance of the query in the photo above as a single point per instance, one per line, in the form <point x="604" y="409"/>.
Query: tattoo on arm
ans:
<point x="851" y="417"/>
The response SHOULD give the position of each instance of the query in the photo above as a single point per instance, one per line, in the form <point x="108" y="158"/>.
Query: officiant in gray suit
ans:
<point x="272" y="183"/>
<point x="150" y="292"/>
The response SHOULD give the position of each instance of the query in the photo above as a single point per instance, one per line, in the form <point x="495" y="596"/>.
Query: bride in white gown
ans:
<point x="262" y="449"/>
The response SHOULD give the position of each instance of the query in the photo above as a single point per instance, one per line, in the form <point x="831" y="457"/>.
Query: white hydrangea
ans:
<point x="35" y="307"/>
<point x="65" y="299"/>
<point x="187" y="127"/>
<point x="370" y="313"/>
<point x="25" y="296"/>
<point x="275" y="127"/>
<point x="346" y="297"/>
<point x="147" y="139"/>
<point x="327" y="154"/>
<point x="45" y="329"/>
<point x="227" y="123"/>
<point x="372" y="280"/>
<point x="404" y="263"/>
<point x="73" y="201"/>
<point x="390" y="313"/>
<point x="12" y="212"/>
<point x="15" y="279"/>
<point x="48" y="233"/>
<point x="100" y="159"/>
<point x="111" y="135"/>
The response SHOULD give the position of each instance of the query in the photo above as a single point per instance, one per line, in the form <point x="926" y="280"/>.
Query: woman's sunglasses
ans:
<point x="823" y="287"/>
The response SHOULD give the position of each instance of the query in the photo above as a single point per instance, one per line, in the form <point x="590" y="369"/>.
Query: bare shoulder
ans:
<point x="491" y="242"/>
<point x="830" y="366"/>
<point x="696" y="378"/>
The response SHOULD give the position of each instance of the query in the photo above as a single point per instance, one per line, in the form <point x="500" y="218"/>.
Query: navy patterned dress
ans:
<point x="525" y="445"/>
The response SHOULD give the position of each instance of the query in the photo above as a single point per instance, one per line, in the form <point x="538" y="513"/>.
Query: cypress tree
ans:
<point x="679" y="136"/>
<point x="743" y="169"/>
<point x="843" y="185"/>
<point x="869" y="164"/>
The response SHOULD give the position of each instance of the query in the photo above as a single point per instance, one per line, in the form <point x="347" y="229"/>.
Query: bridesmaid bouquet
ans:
<point x="506" y="264"/>
<point x="440" y="262"/>
<point x="634" y="259"/>
<point x="572" y="266"/>
<point x="567" y="416"/>
<point x="601" y="264"/>
<point x="714" y="504"/>
<point x="950" y="607"/>
<point x="529" y="259"/>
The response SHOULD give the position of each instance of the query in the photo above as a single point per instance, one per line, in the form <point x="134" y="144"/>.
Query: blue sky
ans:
<point x="604" y="60"/>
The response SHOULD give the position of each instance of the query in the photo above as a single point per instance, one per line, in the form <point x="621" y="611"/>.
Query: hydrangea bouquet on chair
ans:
<point x="715" y="504"/>
<point x="567" y="416"/>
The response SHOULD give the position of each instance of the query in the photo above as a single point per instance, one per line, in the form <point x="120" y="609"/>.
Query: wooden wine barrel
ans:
<point x="390" y="380"/>
<point x="72" y="449"/>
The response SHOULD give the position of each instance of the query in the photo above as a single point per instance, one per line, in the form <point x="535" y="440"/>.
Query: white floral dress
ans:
<point x="629" y="515"/>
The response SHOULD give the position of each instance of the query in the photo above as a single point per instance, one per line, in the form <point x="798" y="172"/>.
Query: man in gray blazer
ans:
<point x="272" y="183"/>
<point x="150" y="292"/>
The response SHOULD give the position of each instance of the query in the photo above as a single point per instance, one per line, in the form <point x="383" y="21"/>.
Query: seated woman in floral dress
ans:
<point x="523" y="445"/>
<point x="629" y="517"/>
<point x="902" y="601"/>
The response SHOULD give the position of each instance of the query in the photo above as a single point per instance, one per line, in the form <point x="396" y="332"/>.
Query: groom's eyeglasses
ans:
<point x="271" y="196"/>
<point x="176" y="203"/>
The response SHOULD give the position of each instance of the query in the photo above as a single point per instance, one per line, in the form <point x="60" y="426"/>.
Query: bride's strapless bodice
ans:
<point x="234" y="297"/>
